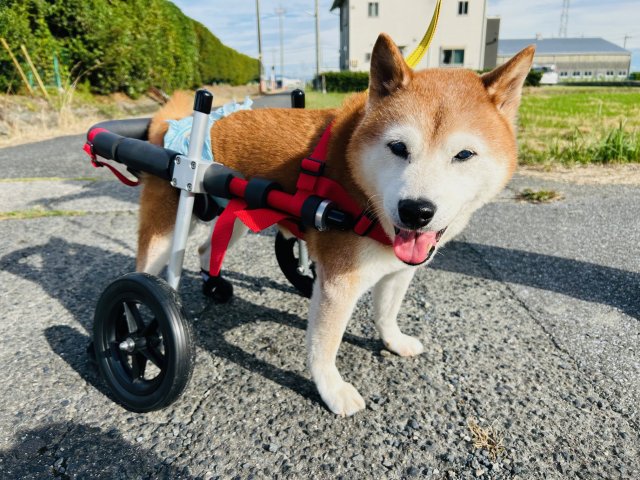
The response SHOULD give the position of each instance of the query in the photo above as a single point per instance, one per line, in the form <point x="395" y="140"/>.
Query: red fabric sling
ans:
<point x="310" y="182"/>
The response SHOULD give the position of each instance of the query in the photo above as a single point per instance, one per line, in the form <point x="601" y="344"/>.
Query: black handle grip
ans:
<point x="203" y="101"/>
<point x="135" y="154"/>
<point x="297" y="98"/>
<point x="128" y="127"/>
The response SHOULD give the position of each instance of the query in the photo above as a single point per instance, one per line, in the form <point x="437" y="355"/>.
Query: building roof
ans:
<point x="559" y="46"/>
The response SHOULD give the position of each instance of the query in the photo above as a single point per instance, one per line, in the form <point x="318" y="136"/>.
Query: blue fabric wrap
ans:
<point x="177" y="137"/>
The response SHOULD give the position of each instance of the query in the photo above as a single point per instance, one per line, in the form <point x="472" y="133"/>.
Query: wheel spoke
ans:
<point x="154" y="356"/>
<point x="152" y="327"/>
<point x="134" y="319"/>
<point x="138" y="366"/>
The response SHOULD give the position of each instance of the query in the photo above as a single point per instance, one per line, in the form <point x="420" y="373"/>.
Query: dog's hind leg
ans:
<point x="158" y="207"/>
<point x="388" y="294"/>
<point x="218" y="288"/>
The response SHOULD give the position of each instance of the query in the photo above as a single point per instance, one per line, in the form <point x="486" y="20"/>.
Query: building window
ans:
<point x="463" y="8"/>
<point x="373" y="9"/>
<point x="564" y="74"/>
<point x="576" y="74"/>
<point x="367" y="57"/>
<point x="588" y="74"/>
<point x="452" y="57"/>
<point x="609" y="73"/>
<point x="353" y="63"/>
<point x="622" y="73"/>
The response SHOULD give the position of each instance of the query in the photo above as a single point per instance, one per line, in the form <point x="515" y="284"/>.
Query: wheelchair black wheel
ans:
<point x="143" y="344"/>
<point x="286" y="254"/>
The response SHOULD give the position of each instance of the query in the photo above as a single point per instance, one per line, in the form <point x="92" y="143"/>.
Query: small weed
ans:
<point x="486" y="439"/>
<point x="538" y="196"/>
<point x="39" y="213"/>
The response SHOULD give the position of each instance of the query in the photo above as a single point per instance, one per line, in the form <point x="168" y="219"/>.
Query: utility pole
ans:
<point x="564" y="19"/>
<point x="259" y="47"/>
<point x="317" y="15"/>
<point x="626" y="37"/>
<point x="280" y="12"/>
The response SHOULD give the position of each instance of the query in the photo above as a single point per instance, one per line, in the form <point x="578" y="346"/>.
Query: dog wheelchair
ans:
<point x="142" y="341"/>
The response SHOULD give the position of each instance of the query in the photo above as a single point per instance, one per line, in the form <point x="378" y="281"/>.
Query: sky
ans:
<point x="235" y="24"/>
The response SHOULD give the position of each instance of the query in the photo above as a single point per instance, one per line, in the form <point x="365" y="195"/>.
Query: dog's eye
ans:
<point x="399" y="149"/>
<point x="464" y="155"/>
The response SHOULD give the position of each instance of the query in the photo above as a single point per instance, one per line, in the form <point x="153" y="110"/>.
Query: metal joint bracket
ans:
<point x="188" y="174"/>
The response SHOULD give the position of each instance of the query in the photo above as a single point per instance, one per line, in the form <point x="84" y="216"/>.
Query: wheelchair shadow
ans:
<point x="75" y="275"/>
<point x="93" y="190"/>
<point x="72" y="450"/>
<point x="581" y="280"/>
<point x="260" y="284"/>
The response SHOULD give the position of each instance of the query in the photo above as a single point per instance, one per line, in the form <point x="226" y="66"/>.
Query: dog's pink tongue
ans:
<point x="413" y="247"/>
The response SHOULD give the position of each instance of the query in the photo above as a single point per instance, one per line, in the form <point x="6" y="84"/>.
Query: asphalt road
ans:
<point x="530" y="321"/>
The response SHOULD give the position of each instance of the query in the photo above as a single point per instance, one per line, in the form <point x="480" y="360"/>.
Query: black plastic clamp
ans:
<point x="217" y="179"/>
<point x="309" y="211"/>
<point x="257" y="192"/>
<point x="205" y="207"/>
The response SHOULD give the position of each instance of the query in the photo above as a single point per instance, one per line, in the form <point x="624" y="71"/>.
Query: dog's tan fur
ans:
<point x="271" y="144"/>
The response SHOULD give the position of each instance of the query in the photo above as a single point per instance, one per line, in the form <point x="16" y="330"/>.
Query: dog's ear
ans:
<point x="504" y="83"/>
<point x="389" y="72"/>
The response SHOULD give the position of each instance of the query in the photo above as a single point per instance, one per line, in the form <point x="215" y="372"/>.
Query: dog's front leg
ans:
<point x="387" y="298"/>
<point x="333" y="300"/>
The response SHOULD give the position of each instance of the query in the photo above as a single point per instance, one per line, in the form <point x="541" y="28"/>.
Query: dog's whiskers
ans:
<point x="373" y="205"/>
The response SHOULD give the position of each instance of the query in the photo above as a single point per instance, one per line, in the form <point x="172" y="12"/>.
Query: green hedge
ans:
<point x="346" y="81"/>
<point x="118" y="45"/>
<point x="533" y="79"/>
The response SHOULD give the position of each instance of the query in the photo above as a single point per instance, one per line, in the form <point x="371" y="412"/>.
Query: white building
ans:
<point x="459" y="41"/>
<point x="574" y="59"/>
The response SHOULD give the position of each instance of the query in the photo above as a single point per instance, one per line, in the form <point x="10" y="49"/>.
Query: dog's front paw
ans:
<point x="342" y="399"/>
<point x="404" y="345"/>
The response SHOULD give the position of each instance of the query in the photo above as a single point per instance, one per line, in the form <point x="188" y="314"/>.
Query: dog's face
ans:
<point x="434" y="146"/>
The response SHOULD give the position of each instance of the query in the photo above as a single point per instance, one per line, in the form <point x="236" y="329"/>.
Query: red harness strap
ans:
<point x="96" y="163"/>
<point x="311" y="181"/>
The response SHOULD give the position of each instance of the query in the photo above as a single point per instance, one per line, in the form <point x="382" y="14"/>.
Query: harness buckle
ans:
<point x="364" y="224"/>
<point x="313" y="167"/>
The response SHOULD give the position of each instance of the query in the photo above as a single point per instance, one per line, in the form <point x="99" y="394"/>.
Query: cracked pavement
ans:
<point x="530" y="322"/>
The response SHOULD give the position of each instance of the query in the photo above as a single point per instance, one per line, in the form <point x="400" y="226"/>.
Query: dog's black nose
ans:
<point x="416" y="213"/>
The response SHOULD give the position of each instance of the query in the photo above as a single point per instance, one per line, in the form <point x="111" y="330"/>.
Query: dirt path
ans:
<point x="28" y="119"/>
<point x="626" y="174"/>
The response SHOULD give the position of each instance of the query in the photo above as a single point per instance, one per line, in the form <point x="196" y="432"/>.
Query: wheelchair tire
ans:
<point x="286" y="249"/>
<point x="143" y="344"/>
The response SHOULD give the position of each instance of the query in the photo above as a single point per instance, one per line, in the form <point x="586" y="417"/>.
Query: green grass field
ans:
<point x="566" y="125"/>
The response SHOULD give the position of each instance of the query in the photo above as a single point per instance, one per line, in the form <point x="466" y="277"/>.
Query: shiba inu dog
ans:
<point x="422" y="150"/>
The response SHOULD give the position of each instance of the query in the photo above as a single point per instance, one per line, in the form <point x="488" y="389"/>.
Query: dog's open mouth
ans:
<point x="414" y="247"/>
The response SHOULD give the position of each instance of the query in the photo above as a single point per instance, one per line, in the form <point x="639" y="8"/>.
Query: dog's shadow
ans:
<point x="577" y="279"/>
<point x="75" y="275"/>
<point x="83" y="451"/>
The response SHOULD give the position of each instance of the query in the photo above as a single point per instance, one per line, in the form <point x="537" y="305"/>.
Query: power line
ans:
<point x="280" y="12"/>
<point x="317" y="15"/>
<point x="259" y="46"/>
